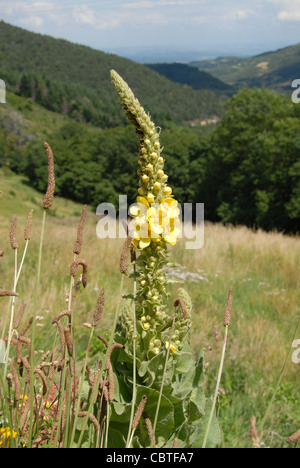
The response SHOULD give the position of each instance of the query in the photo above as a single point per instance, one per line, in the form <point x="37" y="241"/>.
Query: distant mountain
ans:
<point x="275" y="70"/>
<point x="185" y="74"/>
<point x="74" y="80"/>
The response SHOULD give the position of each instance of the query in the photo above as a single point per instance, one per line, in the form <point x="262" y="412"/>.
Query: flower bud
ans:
<point x="150" y="197"/>
<point x="157" y="186"/>
<point x="168" y="191"/>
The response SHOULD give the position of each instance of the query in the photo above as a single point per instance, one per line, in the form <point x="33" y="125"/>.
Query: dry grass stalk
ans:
<point x="52" y="368"/>
<point x="26" y="328"/>
<point x="111" y="383"/>
<point x="61" y="314"/>
<point x="39" y="440"/>
<point x="125" y="255"/>
<point x="101" y="338"/>
<point x="41" y="374"/>
<point x="113" y="346"/>
<point x="149" y="429"/>
<point x="62" y="336"/>
<point x="73" y="270"/>
<point x="294" y="439"/>
<point x="215" y="334"/>
<point x="227" y="314"/>
<point x="99" y="309"/>
<point x="28" y="225"/>
<point x="68" y="339"/>
<point x="253" y="433"/>
<point x="19" y="316"/>
<point x="48" y="199"/>
<point x="16" y="381"/>
<point x="8" y="293"/>
<point x="139" y="412"/>
<point x="180" y="302"/>
<point x="79" y="240"/>
<point x="92" y="418"/>
<point x="13" y="233"/>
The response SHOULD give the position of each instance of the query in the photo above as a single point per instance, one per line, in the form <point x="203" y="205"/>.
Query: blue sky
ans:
<point x="219" y="27"/>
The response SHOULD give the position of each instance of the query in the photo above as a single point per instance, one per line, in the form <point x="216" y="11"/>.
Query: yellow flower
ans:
<point x="5" y="434"/>
<point x="152" y="224"/>
<point x="173" y="349"/>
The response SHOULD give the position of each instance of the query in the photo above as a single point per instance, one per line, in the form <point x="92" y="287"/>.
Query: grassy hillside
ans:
<point x="197" y="79"/>
<point x="274" y="70"/>
<point x="74" y="80"/>
<point x="261" y="268"/>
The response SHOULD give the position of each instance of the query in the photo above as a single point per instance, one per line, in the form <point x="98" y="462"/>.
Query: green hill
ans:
<point x="74" y="80"/>
<point x="185" y="74"/>
<point x="275" y="70"/>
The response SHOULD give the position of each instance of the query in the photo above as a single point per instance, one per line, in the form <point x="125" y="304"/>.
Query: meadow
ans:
<point x="261" y="268"/>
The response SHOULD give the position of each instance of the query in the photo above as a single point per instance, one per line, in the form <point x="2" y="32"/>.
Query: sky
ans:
<point x="182" y="28"/>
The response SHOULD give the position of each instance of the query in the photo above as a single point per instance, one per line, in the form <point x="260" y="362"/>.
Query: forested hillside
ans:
<point x="74" y="80"/>
<point x="245" y="169"/>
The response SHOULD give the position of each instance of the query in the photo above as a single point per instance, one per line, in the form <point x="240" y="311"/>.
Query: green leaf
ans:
<point x="214" y="435"/>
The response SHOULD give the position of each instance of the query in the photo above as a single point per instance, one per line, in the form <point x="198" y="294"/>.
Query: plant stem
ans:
<point x="163" y="376"/>
<point x="11" y="315"/>
<point x="37" y="288"/>
<point x="134" y="361"/>
<point x="217" y="388"/>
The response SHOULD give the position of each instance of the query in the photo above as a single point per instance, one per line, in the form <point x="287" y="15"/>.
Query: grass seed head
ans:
<point x="79" y="240"/>
<point x="28" y="225"/>
<point x="13" y="233"/>
<point x="49" y="195"/>
<point x="227" y="315"/>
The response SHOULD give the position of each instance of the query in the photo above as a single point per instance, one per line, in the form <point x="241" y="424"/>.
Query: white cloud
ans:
<point x="289" y="10"/>
<point x="34" y="13"/>
<point x="83" y="14"/>
<point x="159" y="3"/>
<point x="238" y="15"/>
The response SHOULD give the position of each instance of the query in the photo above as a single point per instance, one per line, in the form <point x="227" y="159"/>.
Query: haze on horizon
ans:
<point x="178" y="29"/>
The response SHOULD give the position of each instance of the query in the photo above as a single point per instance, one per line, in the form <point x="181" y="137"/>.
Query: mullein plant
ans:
<point x="159" y="398"/>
